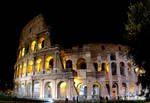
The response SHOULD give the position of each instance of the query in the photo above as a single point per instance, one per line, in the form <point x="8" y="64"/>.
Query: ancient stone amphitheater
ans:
<point x="94" y="70"/>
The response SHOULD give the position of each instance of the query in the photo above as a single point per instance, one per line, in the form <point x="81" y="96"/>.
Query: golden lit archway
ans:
<point x="49" y="63"/>
<point x="38" y="66"/>
<point x="24" y="68"/>
<point x="81" y="64"/>
<point x="20" y="67"/>
<point x="19" y="54"/>
<point x="131" y="90"/>
<point x="33" y="44"/>
<point x="62" y="90"/>
<point x="23" y="51"/>
<point x="41" y="43"/>
<point x="30" y="66"/>
<point x="105" y="66"/>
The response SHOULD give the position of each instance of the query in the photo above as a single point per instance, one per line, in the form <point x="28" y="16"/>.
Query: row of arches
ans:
<point x="81" y="64"/>
<point x="24" y="68"/>
<point x="33" y="47"/>
<point x="62" y="91"/>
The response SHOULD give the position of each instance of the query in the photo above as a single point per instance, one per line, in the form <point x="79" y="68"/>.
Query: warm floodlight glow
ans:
<point x="40" y="44"/>
<point x="38" y="66"/>
<point x="131" y="85"/>
<point x="24" y="68"/>
<point x="20" y="67"/>
<point x="30" y="66"/>
<point x="23" y="51"/>
<point x="49" y="63"/>
<point x="33" y="46"/>
<point x="19" y="54"/>
<point x="136" y="69"/>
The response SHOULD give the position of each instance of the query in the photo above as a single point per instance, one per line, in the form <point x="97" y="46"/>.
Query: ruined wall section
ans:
<point x="34" y="30"/>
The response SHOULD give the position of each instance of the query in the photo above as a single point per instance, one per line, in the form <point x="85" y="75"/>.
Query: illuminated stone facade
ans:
<point x="91" y="71"/>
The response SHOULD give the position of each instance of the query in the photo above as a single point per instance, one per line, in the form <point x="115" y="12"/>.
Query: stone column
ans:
<point x="43" y="67"/>
<point x="127" y="89"/>
<point x="34" y="63"/>
<point x="32" y="89"/>
<point x="21" y="68"/>
<point x="25" y="87"/>
<point x="89" y="90"/>
<point x="68" y="90"/>
<point x="89" y="63"/>
<point x="27" y="67"/>
<point x="42" y="88"/>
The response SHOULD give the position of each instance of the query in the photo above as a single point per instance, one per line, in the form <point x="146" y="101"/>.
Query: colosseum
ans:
<point x="95" y="70"/>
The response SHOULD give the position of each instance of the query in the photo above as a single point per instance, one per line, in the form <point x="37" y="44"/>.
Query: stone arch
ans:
<point x="123" y="91"/>
<point x="105" y="67"/>
<point x="33" y="46"/>
<point x="96" y="66"/>
<point x="30" y="66"/>
<point x="62" y="89"/>
<point x="41" y="43"/>
<point x="122" y="68"/>
<point x="49" y="63"/>
<point x="114" y="68"/>
<point x="129" y="66"/>
<point x="81" y="63"/>
<point x="82" y="90"/>
<point x="113" y="56"/>
<point x="131" y="89"/>
<point x="24" y="68"/>
<point x="22" y="89"/>
<point x="68" y="64"/>
<point x="48" y="90"/>
<point x="36" y="92"/>
<point x="38" y="65"/>
<point x="114" y="90"/>
<point x="95" y="90"/>
<point x="29" y="86"/>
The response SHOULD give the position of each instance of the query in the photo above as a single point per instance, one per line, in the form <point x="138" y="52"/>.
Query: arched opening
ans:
<point x="95" y="90"/>
<point x="105" y="67"/>
<point x="62" y="90"/>
<point x="131" y="89"/>
<point x="68" y="64"/>
<point x="83" y="91"/>
<point x="36" y="92"/>
<point x="123" y="91"/>
<point x="122" y="66"/>
<point x="112" y="57"/>
<point x="23" y="51"/>
<point x="22" y="89"/>
<point x="33" y="45"/>
<point x="49" y="63"/>
<point x="24" y="68"/>
<point x="114" y="68"/>
<point x="20" y="69"/>
<point x="81" y="64"/>
<point x="19" y="56"/>
<point x="108" y="88"/>
<point x="95" y="66"/>
<point x="41" y="43"/>
<point x="29" y="89"/>
<point x="48" y="90"/>
<point x="38" y="66"/>
<point x="129" y="66"/>
<point x="114" y="90"/>
<point x="30" y="66"/>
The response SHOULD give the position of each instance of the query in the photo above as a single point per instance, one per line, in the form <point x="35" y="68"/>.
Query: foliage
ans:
<point x="138" y="31"/>
<point x="138" y="16"/>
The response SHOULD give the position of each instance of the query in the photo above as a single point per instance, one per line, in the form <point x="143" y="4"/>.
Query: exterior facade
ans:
<point x="92" y="71"/>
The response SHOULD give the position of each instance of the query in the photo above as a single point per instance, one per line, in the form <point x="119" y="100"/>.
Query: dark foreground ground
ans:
<point x="8" y="99"/>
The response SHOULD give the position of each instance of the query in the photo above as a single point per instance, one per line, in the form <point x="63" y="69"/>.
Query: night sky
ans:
<point x="73" y="23"/>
